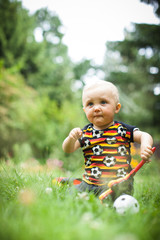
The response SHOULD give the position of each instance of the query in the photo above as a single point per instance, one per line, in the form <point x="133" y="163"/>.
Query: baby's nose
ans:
<point x="97" y="107"/>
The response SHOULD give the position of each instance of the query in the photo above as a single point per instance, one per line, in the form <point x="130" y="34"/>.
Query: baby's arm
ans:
<point x="71" y="143"/>
<point x="146" y="142"/>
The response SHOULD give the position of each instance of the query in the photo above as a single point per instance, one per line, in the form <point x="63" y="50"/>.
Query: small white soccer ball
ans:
<point x="112" y="140"/>
<point x="122" y="150"/>
<point x="88" y="162"/>
<point x="97" y="150"/>
<point x="121" y="172"/>
<point x="96" y="172"/>
<point x="121" y="131"/>
<point x="97" y="133"/>
<point x="126" y="204"/>
<point x="109" y="161"/>
<point x="87" y="143"/>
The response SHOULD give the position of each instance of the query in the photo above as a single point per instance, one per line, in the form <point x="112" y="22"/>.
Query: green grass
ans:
<point x="27" y="212"/>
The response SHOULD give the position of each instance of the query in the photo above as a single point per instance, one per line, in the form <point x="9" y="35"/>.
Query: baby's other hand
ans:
<point x="146" y="153"/>
<point x="75" y="133"/>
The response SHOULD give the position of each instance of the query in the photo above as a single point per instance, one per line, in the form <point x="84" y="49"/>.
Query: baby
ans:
<point x="105" y="142"/>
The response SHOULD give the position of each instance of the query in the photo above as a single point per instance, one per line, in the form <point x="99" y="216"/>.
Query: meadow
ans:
<point x="29" y="212"/>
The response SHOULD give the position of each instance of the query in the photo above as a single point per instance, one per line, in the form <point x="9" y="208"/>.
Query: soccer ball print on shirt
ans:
<point x="97" y="150"/>
<point x="109" y="161"/>
<point x="96" y="172"/>
<point x="106" y="153"/>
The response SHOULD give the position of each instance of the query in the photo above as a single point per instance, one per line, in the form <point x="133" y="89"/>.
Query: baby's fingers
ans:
<point x="146" y="154"/>
<point x="80" y="133"/>
<point x="76" y="133"/>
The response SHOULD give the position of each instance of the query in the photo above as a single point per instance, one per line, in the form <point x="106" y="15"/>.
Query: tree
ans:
<point x="14" y="21"/>
<point x="15" y="99"/>
<point x="56" y="71"/>
<point x="36" y="77"/>
<point x="156" y="5"/>
<point x="135" y="70"/>
<point x="45" y="65"/>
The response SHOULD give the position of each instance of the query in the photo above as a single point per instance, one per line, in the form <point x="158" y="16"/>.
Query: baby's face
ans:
<point x="100" y="106"/>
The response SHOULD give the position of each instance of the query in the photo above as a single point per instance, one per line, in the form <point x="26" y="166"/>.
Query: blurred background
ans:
<point x="47" y="54"/>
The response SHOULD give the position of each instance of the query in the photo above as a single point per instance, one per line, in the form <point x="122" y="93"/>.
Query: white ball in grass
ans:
<point x="48" y="190"/>
<point x="126" y="204"/>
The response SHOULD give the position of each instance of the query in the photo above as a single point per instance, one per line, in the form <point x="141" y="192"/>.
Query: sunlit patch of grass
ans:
<point x="28" y="211"/>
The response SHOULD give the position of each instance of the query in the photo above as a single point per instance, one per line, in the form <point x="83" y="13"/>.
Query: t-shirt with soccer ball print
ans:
<point x="106" y="152"/>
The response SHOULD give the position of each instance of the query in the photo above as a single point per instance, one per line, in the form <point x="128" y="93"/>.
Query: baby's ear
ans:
<point x="83" y="109"/>
<point x="118" y="107"/>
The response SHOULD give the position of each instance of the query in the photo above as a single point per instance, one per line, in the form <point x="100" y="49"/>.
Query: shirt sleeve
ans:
<point x="131" y="129"/>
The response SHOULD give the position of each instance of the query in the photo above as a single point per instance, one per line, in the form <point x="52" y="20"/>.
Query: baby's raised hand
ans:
<point x="146" y="153"/>
<point x="75" y="133"/>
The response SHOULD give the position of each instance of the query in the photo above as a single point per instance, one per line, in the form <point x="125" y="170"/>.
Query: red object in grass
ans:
<point x="117" y="181"/>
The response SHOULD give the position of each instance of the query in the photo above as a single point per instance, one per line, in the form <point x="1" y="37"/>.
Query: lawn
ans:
<point x="28" y="211"/>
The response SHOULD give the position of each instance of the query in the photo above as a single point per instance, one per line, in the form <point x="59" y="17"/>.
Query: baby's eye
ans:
<point x="90" y="104"/>
<point x="103" y="102"/>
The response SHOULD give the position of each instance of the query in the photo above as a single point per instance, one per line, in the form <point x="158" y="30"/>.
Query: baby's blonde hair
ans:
<point x="103" y="83"/>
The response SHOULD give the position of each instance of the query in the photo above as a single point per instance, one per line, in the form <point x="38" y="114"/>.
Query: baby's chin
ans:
<point x="102" y="126"/>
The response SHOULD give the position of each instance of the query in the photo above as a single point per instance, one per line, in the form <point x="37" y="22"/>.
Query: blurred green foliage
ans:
<point x="40" y="93"/>
<point x="37" y="104"/>
<point x="134" y="65"/>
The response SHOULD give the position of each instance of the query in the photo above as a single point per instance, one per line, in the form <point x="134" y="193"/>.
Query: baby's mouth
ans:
<point x="97" y="115"/>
